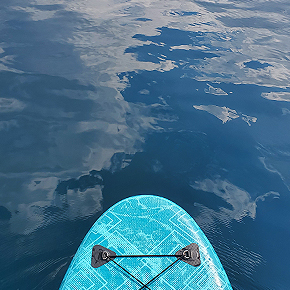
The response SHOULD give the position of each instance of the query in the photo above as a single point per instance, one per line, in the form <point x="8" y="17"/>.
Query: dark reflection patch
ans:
<point x="254" y="64"/>
<point x="5" y="214"/>
<point x="82" y="183"/>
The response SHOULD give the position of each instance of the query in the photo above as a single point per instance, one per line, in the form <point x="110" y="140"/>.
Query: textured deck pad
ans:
<point x="143" y="225"/>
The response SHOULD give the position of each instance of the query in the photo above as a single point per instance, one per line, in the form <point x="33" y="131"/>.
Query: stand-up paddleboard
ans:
<point x="145" y="242"/>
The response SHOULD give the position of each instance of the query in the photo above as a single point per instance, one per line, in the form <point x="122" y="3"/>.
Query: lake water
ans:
<point x="105" y="99"/>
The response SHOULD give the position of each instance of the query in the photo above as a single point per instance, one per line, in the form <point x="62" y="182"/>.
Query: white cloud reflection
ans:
<point x="36" y="14"/>
<point x="241" y="203"/>
<point x="225" y="114"/>
<point x="232" y="34"/>
<point x="277" y="96"/>
<point x="215" y="91"/>
<point x="11" y="105"/>
<point x="276" y="161"/>
<point x="98" y="38"/>
<point x="49" y="207"/>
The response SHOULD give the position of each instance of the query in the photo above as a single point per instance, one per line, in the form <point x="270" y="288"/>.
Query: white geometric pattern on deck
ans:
<point x="145" y="225"/>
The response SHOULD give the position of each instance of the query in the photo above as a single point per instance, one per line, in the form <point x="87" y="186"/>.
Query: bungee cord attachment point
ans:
<point x="101" y="255"/>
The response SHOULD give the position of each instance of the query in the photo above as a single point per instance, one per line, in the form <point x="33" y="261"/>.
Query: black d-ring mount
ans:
<point x="101" y="256"/>
<point x="190" y="255"/>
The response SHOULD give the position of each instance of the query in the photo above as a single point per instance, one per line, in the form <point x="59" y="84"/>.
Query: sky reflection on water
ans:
<point x="100" y="100"/>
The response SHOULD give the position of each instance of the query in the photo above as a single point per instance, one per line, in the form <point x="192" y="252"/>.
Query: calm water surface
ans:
<point x="105" y="99"/>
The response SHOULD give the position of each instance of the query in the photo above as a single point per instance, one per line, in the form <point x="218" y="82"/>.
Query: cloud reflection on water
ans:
<point x="100" y="40"/>
<point x="240" y="200"/>
<point x="9" y="105"/>
<point x="225" y="114"/>
<point x="277" y="96"/>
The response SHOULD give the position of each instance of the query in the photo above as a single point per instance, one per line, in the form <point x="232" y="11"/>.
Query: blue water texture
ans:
<point x="107" y="99"/>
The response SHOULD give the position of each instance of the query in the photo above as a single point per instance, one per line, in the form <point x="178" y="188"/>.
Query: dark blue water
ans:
<point x="101" y="100"/>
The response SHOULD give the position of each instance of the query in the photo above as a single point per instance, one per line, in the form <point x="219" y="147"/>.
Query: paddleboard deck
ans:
<point x="169" y="250"/>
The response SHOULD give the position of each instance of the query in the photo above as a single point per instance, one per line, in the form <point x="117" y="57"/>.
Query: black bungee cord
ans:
<point x="154" y="278"/>
<point x="140" y="256"/>
<point x="101" y="255"/>
<point x="143" y="285"/>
